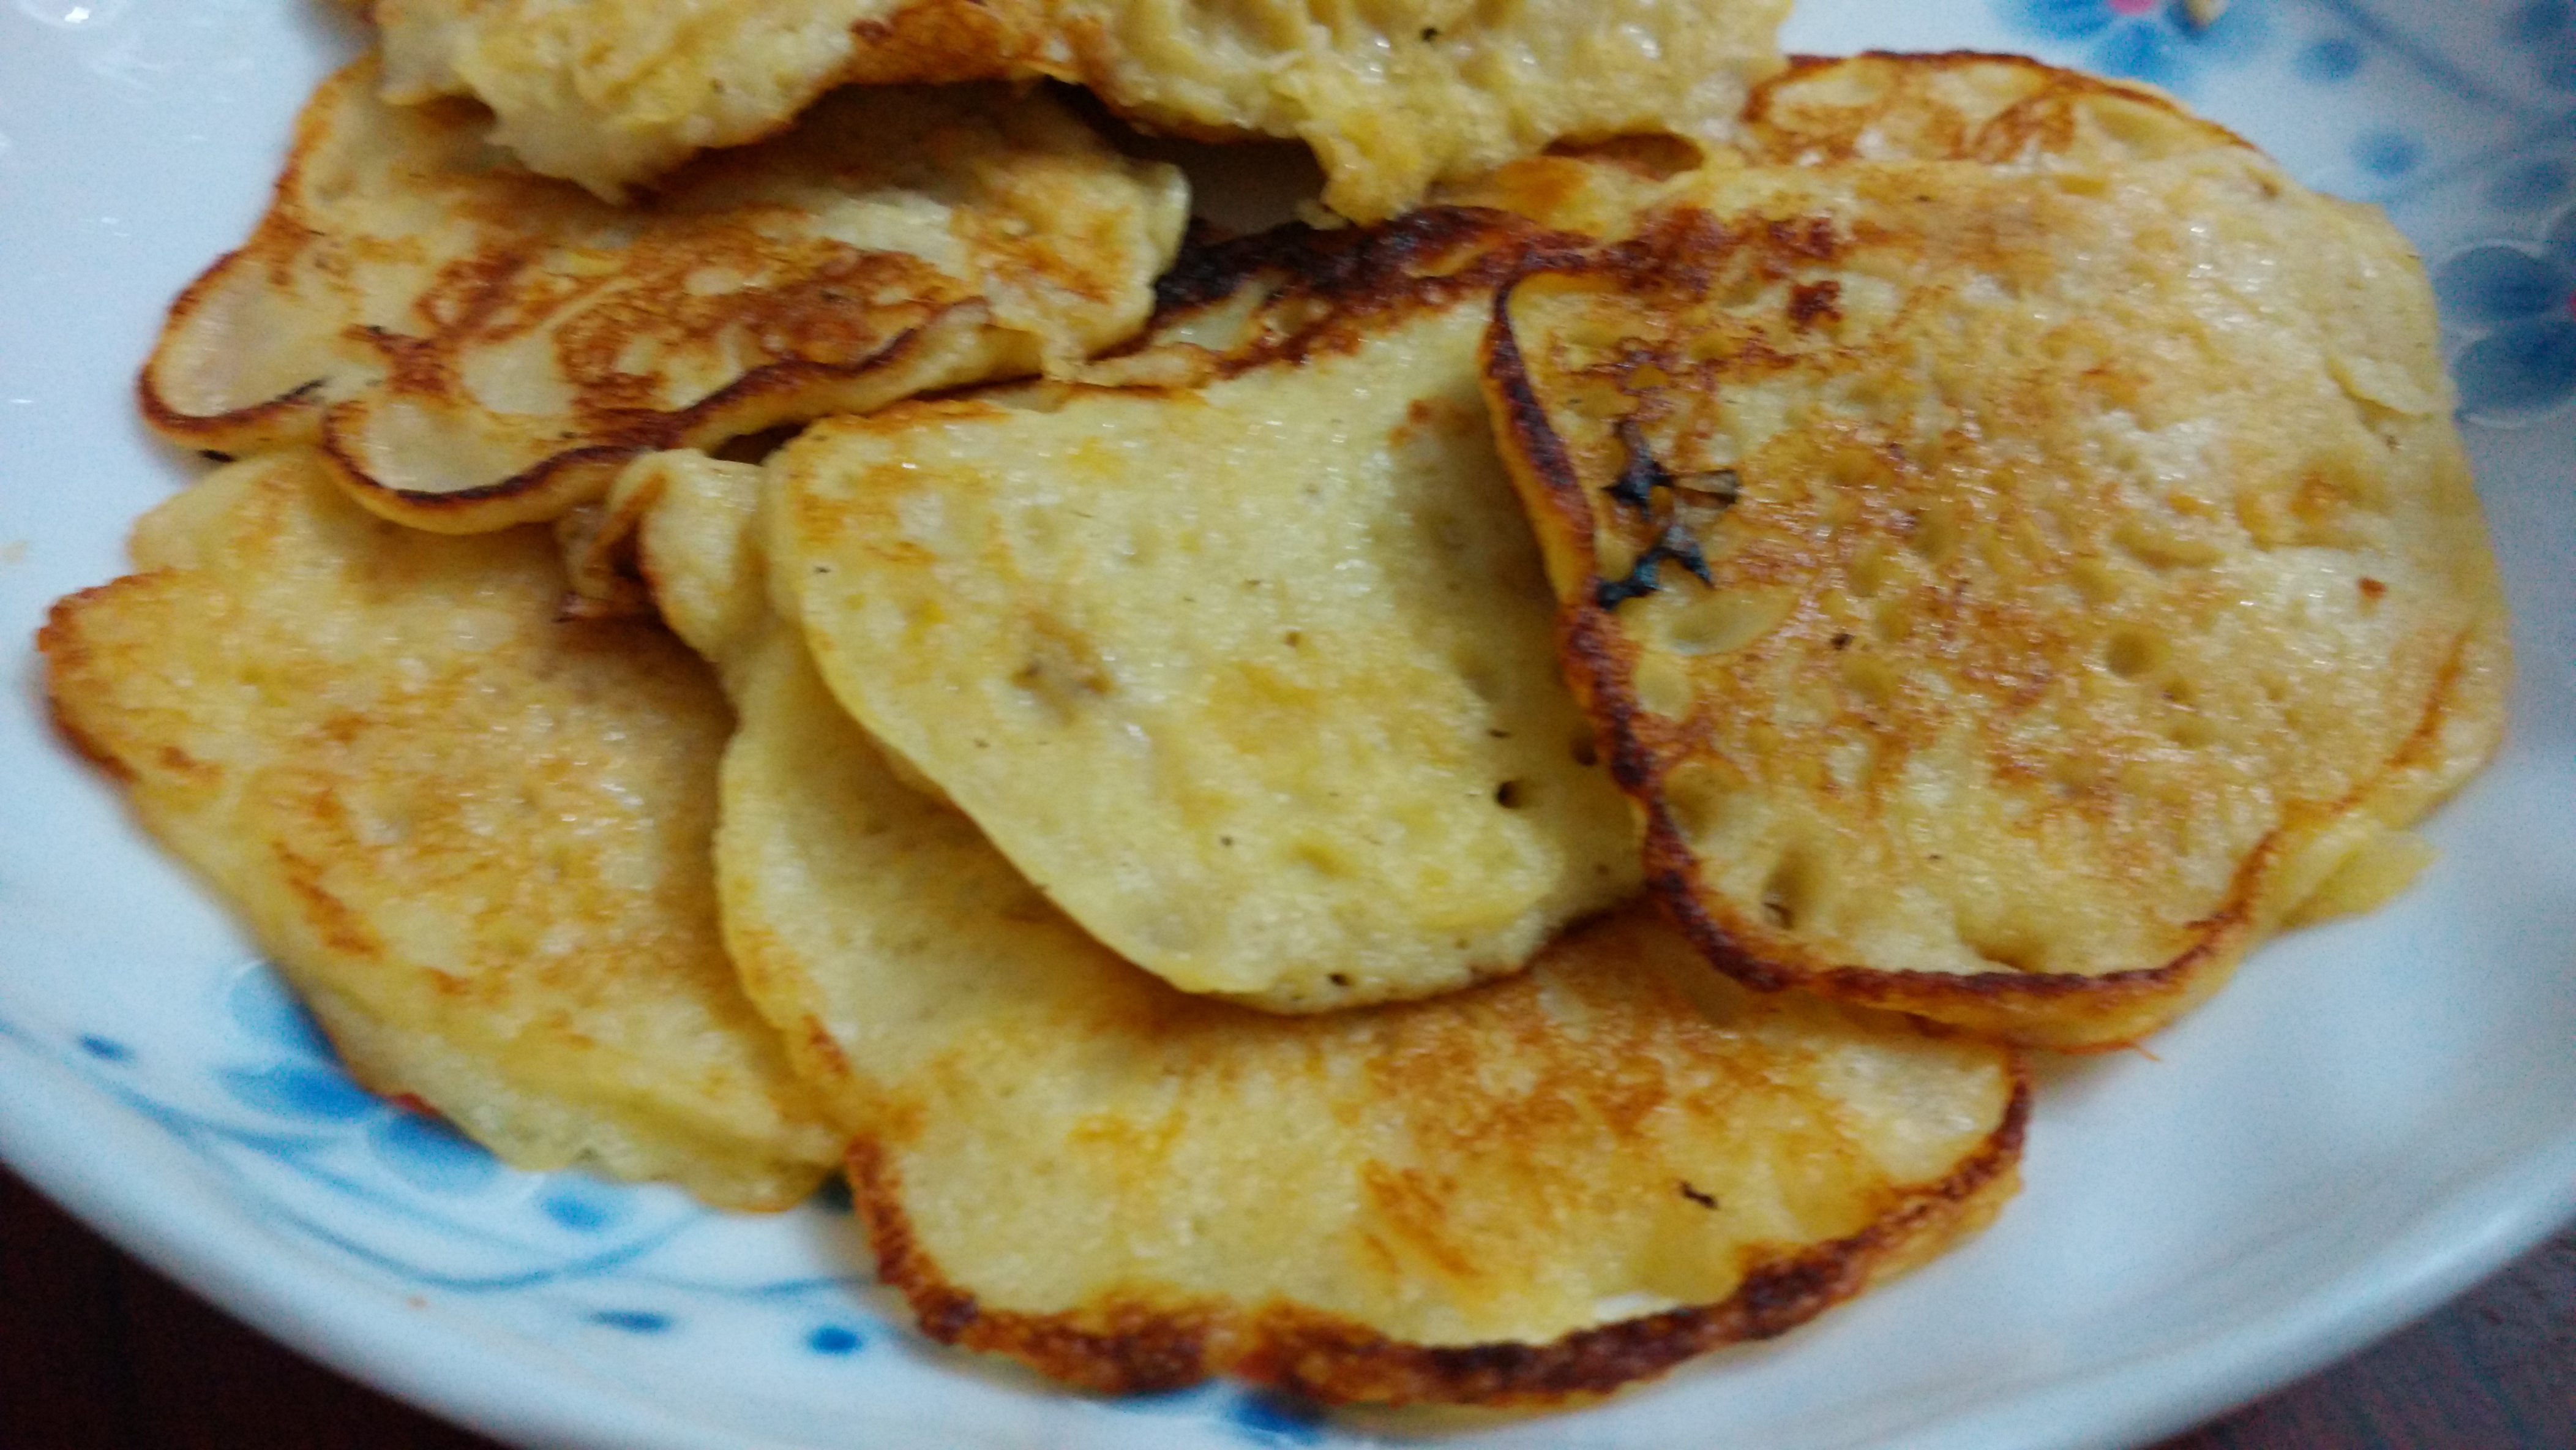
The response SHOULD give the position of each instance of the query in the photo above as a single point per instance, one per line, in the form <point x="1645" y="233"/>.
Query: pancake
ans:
<point x="2015" y="545"/>
<point x="476" y="839"/>
<point x="1538" y="1188"/>
<point x="476" y="347"/>
<point x="1390" y="95"/>
<point x="1248" y="664"/>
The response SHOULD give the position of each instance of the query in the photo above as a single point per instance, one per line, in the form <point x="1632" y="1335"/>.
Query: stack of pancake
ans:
<point x="1455" y="802"/>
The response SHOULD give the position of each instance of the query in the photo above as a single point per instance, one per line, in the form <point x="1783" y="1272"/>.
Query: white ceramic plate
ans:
<point x="2376" y="1114"/>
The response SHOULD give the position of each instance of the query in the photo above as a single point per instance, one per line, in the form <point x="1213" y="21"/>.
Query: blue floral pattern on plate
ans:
<point x="2156" y="41"/>
<point x="2517" y="302"/>
<point x="2461" y="119"/>
<point x="2544" y="31"/>
<point x="403" y="1193"/>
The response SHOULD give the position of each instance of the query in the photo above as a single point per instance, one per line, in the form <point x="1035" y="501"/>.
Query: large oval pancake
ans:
<point x="2016" y="554"/>
<point x="1252" y="667"/>
<point x="476" y="347"/>
<point x="475" y="838"/>
<point x="1390" y="95"/>
<point x="1533" y="1189"/>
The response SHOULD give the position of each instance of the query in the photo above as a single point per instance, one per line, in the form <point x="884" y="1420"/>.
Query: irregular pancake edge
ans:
<point x="1137" y="1345"/>
<point x="2023" y="1008"/>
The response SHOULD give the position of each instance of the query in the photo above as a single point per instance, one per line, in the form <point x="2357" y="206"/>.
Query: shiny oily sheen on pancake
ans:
<point x="1530" y="1190"/>
<point x="474" y="346"/>
<point x="1251" y="667"/>
<point x="475" y="839"/>
<point x="1390" y="94"/>
<point x="2019" y="557"/>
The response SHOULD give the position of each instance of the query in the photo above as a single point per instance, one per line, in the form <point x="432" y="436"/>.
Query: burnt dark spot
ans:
<point x="1677" y="544"/>
<point x="1809" y="301"/>
<point x="949" y="1315"/>
<point x="1508" y="795"/>
<point x="211" y="456"/>
<point x="1674" y="545"/>
<point x="1810" y="237"/>
<point x="1704" y="1200"/>
<point x="1430" y="33"/>
<point x="1611" y="593"/>
<point x="1843" y="639"/>
<point x="1339" y="979"/>
<point x="1641" y="475"/>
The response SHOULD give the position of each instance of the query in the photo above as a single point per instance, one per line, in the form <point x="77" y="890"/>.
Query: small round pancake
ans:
<point x="1390" y="95"/>
<point x="1534" y="1189"/>
<point x="1252" y="667"/>
<point x="476" y="347"/>
<point x="2012" y="538"/>
<point x="477" y="838"/>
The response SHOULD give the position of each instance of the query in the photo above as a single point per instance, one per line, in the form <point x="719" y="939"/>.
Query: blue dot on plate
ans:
<point x="835" y="1339"/>
<point x="293" y="1091"/>
<point x="2495" y="282"/>
<point x="2387" y="153"/>
<point x="633" y="1321"/>
<point x="1278" y="1418"/>
<point x="429" y="1153"/>
<point x="2539" y="20"/>
<point x="2519" y="370"/>
<point x="105" y="1049"/>
<point x="2057" y="19"/>
<point x="2240" y="32"/>
<point x="2329" y="61"/>
<point x="267" y="1010"/>
<point x="2530" y="185"/>
<point x="2142" y="52"/>
<point x="581" y="1205"/>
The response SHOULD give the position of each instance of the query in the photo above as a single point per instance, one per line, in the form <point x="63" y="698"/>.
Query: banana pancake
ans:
<point x="474" y="346"/>
<point x="1533" y="1189"/>
<point x="2012" y="539"/>
<point x="475" y="838"/>
<point x="1390" y="95"/>
<point x="1249" y="661"/>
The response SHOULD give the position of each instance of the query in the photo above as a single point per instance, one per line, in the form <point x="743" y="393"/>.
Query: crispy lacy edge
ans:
<point x="2056" y="1010"/>
<point x="2043" y="118"/>
<point x="918" y="359"/>
<point x="1140" y="1344"/>
<point x="1320" y="291"/>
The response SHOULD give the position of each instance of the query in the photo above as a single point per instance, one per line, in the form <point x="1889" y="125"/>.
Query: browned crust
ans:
<point x="945" y="41"/>
<point x="2067" y="1011"/>
<point x="578" y="475"/>
<point x="283" y="418"/>
<point x="274" y="243"/>
<point x="1336" y="289"/>
<point x="604" y="431"/>
<point x="1327" y="292"/>
<point x="2039" y="117"/>
<point x="61" y="643"/>
<point x="1144" y="1341"/>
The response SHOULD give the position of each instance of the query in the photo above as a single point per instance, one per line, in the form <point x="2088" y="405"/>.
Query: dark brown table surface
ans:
<point x="99" y="1353"/>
